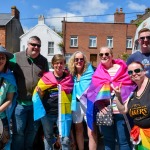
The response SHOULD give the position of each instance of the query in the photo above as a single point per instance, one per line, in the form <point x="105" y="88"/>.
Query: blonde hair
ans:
<point x="71" y="65"/>
<point x="106" y="47"/>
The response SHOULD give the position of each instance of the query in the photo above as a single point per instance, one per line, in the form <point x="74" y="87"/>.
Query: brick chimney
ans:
<point x="15" y="12"/>
<point x="119" y="16"/>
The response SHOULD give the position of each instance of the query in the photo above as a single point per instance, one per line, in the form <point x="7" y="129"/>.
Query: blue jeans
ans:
<point x="118" y="132"/>
<point x="24" y="128"/>
<point x="48" y="124"/>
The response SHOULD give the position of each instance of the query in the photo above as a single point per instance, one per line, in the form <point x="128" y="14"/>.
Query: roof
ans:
<point x="5" y="18"/>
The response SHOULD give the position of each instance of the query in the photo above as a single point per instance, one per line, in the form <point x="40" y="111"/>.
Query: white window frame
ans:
<point x="110" y="41"/>
<point x="50" y="48"/>
<point x="129" y="42"/>
<point x="92" y="41"/>
<point x="74" y="41"/>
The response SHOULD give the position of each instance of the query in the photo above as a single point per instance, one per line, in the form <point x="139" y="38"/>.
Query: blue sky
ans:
<point x="55" y="10"/>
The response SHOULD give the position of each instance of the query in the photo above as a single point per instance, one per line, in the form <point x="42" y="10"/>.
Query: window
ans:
<point x="23" y="47"/>
<point x="67" y="56"/>
<point x="129" y="42"/>
<point x="93" y="41"/>
<point x="74" y="41"/>
<point x="50" y="48"/>
<point x="110" y="41"/>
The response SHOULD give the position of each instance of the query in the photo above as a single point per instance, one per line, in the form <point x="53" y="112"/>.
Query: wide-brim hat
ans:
<point x="4" y="51"/>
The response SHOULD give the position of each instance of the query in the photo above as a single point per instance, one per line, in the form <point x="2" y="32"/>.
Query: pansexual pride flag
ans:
<point x="100" y="87"/>
<point x="49" y="81"/>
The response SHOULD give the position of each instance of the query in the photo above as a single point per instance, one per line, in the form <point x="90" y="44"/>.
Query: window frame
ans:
<point x="129" y="42"/>
<point x="92" y="41"/>
<point x="110" y="41"/>
<point x="73" y="43"/>
<point x="50" y="47"/>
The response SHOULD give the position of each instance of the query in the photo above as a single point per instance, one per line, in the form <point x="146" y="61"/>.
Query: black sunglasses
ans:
<point x="147" y="37"/>
<point x="79" y="59"/>
<point x="138" y="70"/>
<point x="33" y="44"/>
<point x="106" y="54"/>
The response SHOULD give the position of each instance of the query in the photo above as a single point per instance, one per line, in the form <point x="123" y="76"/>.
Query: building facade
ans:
<point x="50" y="40"/>
<point x="88" y="37"/>
<point x="10" y="30"/>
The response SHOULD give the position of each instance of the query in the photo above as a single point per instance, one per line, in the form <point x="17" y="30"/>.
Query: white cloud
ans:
<point x="135" y="6"/>
<point x="88" y="7"/>
<point x="55" y="17"/>
<point x="79" y="8"/>
<point x="35" y="7"/>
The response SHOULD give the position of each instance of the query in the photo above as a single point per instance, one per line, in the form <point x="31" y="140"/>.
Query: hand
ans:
<point x="38" y="89"/>
<point x="103" y="111"/>
<point x="117" y="90"/>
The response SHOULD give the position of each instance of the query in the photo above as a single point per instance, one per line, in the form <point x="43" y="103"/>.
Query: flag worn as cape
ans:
<point x="11" y="79"/>
<point x="80" y="87"/>
<point x="48" y="81"/>
<point x="101" y="84"/>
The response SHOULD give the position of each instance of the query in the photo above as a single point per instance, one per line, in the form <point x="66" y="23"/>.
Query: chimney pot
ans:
<point x="121" y="10"/>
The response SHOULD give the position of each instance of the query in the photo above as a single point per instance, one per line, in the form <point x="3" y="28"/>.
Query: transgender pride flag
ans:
<point x="100" y="87"/>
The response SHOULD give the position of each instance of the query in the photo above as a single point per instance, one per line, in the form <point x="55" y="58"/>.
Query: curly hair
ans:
<point x="71" y="65"/>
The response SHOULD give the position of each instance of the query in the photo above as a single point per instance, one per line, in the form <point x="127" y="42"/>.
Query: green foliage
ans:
<point x="139" y="22"/>
<point x="124" y="56"/>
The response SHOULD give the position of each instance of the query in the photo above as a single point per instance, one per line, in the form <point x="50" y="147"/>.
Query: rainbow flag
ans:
<point x="100" y="87"/>
<point x="65" y="87"/>
<point x="141" y="138"/>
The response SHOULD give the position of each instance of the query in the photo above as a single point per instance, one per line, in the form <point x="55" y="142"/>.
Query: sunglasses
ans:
<point x="2" y="58"/>
<point x="79" y="59"/>
<point x="101" y="54"/>
<point x="33" y="44"/>
<point x="143" y="38"/>
<point x="138" y="70"/>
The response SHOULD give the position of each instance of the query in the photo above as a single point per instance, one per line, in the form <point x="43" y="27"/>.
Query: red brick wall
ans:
<point x="119" y="32"/>
<point x="2" y="36"/>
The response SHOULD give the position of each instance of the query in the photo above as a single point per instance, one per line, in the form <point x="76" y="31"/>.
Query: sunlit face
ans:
<point x="33" y="48"/>
<point x="105" y="56"/>
<point x="144" y="40"/>
<point x="2" y="61"/>
<point x="136" y="72"/>
<point x="59" y="66"/>
<point x="79" y="61"/>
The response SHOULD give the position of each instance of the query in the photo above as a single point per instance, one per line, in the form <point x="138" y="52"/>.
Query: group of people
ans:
<point x="31" y="96"/>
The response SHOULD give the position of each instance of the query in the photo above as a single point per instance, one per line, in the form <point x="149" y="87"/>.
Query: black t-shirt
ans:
<point x="50" y="98"/>
<point x="139" y="108"/>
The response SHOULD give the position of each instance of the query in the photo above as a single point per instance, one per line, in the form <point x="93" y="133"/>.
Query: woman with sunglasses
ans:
<point x="109" y="73"/>
<point x="7" y="95"/>
<point x="82" y="72"/>
<point x="137" y="105"/>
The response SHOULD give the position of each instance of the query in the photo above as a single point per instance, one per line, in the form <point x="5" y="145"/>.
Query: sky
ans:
<point x="54" y="11"/>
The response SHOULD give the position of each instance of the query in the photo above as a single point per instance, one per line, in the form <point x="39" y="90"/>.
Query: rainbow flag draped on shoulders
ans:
<point x="100" y="87"/>
<point x="80" y="87"/>
<point x="49" y="81"/>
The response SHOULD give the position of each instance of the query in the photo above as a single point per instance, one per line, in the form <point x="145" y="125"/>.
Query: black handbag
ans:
<point x="105" y="119"/>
